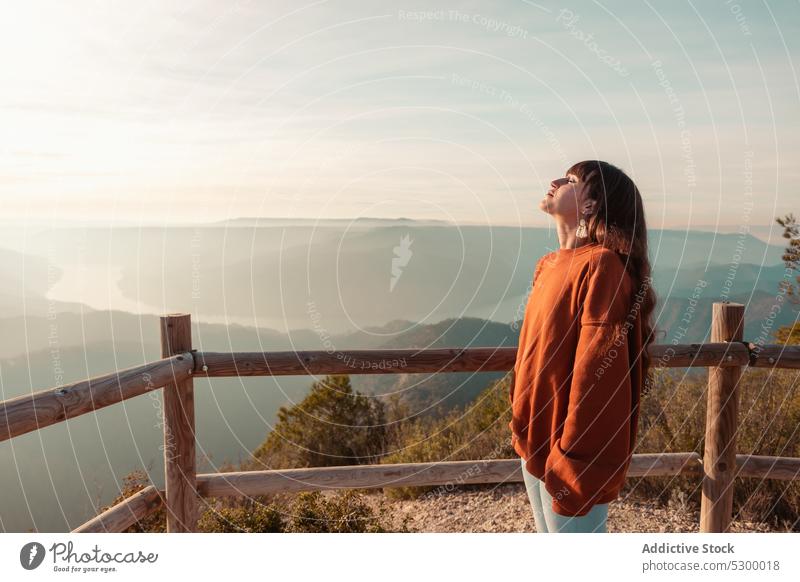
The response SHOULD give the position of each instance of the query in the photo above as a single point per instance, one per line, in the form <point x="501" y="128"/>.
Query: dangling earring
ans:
<point x="582" y="231"/>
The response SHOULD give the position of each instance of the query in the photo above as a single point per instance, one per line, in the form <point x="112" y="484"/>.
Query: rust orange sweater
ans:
<point x="577" y="378"/>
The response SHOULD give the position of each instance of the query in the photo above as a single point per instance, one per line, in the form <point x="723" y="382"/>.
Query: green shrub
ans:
<point x="246" y="516"/>
<point x="332" y="426"/>
<point x="344" y="512"/>
<point x="479" y="431"/>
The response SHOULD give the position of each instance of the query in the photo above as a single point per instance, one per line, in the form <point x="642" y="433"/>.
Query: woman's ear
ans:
<point x="589" y="206"/>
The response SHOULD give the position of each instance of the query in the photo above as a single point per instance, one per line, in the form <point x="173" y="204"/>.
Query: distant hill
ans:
<point x="341" y="275"/>
<point x="771" y="234"/>
<point x="359" y="222"/>
<point x="334" y="275"/>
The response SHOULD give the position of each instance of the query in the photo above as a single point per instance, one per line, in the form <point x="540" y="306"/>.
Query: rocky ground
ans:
<point x="506" y="508"/>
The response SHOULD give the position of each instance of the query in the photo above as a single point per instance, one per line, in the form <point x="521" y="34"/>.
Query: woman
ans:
<point x="582" y="356"/>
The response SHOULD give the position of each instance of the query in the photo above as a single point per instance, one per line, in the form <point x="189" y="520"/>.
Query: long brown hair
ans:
<point x="619" y="224"/>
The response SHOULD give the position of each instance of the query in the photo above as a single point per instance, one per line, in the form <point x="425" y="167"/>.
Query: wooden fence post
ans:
<point x="719" y="455"/>
<point x="180" y="471"/>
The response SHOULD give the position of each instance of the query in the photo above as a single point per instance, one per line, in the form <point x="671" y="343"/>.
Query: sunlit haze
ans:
<point x="193" y="112"/>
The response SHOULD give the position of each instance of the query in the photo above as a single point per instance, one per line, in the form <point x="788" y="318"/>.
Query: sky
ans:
<point x="155" y="112"/>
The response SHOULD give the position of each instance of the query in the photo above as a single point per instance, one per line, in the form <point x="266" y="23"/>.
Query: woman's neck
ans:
<point x="567" y="238"/>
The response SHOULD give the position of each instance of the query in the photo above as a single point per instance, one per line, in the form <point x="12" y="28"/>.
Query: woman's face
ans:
<point x="566" y="199"/>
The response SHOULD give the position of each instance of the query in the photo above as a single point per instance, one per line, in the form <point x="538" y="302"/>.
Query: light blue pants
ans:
<point x="548" y="521"/>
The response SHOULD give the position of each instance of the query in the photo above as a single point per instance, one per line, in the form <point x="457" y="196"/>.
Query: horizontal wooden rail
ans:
<point x="249" y="483"/>
<point x="413" y="361"/>
<point x="407" y="361"/>
<point x="125" y="513"/>
<point x="764" y="467"/>
<point x="41" y="409"/>
<point x="775" y="356"/>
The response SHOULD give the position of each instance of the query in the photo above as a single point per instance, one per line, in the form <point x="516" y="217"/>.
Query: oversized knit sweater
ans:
<point x="577" y="378"/>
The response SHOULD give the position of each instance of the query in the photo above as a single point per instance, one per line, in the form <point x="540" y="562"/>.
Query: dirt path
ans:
<point x="506" y="509"/>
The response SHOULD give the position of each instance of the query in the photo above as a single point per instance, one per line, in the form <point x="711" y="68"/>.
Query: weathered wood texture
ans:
<point x="765" y="467"/>
<point x="217" y="364"/>
<point x="124" y="514"/>
<point x="719" y="455"/>
<point x="179" y="434"/>
<point x="411" y="474"/>
<point x="31" y="412"/>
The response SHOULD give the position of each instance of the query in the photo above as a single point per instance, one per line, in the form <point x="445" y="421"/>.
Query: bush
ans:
<point x="331" y="426"/>
<point x="246" y="516"/>
<point x="345" y="512"/>
<point x="479" y="431"/>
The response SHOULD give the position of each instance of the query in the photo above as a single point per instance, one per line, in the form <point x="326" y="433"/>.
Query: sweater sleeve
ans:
<point x="589" y="459"/>
<point x="521" y="347"/>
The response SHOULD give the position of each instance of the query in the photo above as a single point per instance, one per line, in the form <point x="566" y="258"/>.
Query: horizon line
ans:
<point x="222" y="222"/>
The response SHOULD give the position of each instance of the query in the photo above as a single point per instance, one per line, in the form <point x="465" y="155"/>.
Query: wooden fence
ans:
<point x="725" y="356"/>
